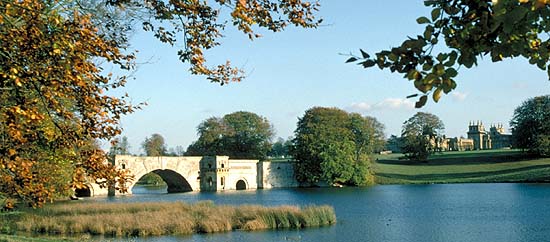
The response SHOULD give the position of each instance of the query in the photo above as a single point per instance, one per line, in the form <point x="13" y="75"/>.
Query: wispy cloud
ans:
<point x="363" y="106"/>
<point x="459" y="96"/>
<point x="386" y="104"/>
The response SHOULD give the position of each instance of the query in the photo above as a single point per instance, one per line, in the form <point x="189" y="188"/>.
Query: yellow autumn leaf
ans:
<point x="11" y="152"/>
<point x="437" y="94"/>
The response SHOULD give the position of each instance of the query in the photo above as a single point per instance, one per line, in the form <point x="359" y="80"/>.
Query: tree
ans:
<point x="420" y="134"/>
<point x="531" y="126"/>
<point x="249" y="135"/>
<point x="238" y="135"/>
<point x="53" y="86"/>
<point x="368" y="134"/>
<point x="210" y="142"/>
<point x="154" y="146"/>
<point x="176" y="151"/>
<point x="333" y="146"/>
<point x="394" y="144"/>
<point x="53" y="103"/>
<point x="280" y="148"/>
<point x="470" y="29"/>
<point x="119" y="146"/>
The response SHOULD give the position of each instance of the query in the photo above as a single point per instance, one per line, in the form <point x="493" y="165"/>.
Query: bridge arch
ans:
<point x="181" y="174"/>
<point x="175" y="181"/>
<point x="84" y="191"/>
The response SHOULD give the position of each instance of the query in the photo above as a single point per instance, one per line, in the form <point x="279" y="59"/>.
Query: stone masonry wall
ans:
<point x="276" y="174"/>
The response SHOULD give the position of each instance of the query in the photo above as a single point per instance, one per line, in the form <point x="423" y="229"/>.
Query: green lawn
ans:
<point x="461" y="167"/>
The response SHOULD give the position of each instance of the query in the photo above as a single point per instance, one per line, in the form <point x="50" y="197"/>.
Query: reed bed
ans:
<point x="177" y="218"/>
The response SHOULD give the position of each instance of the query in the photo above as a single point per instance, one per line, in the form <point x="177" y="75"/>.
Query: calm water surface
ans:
<point x="453" y="212"/>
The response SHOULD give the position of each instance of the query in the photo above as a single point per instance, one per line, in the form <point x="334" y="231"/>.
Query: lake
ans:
<point x="442" y="212"/>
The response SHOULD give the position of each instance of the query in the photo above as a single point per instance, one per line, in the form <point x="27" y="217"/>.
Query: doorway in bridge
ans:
<point x="241" y="185"/>
<point x="161" y="181"/>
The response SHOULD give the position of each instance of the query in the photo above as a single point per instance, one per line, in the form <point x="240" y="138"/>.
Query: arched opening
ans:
<point x="241" y="185"/>
<point x="83" y="192"/>
<point x="151" y="179"/>
<point x="162" y="181"/>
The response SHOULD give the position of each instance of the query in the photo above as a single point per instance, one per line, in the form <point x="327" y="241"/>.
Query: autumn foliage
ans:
<point x="53" y="102"/>
<point x="54" y="105"/>
<point x="201" y="24"/>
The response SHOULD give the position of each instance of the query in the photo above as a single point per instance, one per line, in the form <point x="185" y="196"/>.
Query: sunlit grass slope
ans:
<point x="463" y="167"/>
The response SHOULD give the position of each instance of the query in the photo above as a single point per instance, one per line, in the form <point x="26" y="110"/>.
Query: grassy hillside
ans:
<point x="461" y="167"/>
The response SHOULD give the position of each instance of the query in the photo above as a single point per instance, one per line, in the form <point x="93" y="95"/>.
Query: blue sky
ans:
<point x="294" y="70"/>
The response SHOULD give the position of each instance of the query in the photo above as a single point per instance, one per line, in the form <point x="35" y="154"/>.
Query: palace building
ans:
<point x="481" y="139"/>
<point x="495" y="138"/>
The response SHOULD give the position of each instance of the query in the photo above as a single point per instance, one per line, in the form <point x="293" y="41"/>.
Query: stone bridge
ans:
<point x="203" y="173"/>
<point x="193" y="173"/>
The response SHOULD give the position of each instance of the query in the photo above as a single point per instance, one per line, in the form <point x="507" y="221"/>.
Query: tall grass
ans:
<point x="151" y="219"/>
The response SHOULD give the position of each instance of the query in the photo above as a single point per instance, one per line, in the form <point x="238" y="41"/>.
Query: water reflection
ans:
<point x="455" y="212"/>
<point x="149" y="189"/>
